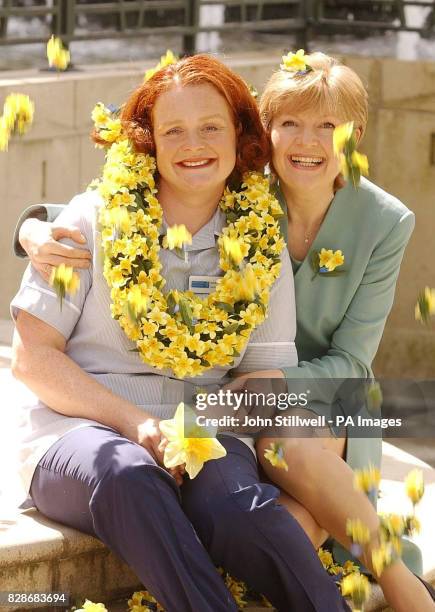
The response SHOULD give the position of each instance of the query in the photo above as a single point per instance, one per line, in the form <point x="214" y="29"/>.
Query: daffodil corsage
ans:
<point x="326" y="261"/>
<point x="352" y="163"/>
<point x="295" y="63"/>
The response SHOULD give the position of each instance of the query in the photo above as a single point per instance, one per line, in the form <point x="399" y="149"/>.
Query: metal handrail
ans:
<point x="309" y="17"/>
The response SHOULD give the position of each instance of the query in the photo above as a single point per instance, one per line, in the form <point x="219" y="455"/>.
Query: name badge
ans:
<point x="202" y="284"/>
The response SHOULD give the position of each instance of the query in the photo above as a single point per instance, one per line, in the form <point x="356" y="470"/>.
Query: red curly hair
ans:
<point x="253" y="148"/>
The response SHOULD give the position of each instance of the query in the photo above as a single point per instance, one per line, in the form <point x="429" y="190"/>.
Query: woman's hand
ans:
<point x="40" y="241"/>
<point x="145" y="431"/>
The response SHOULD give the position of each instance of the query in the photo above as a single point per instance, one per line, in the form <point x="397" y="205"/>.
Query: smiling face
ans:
<point x="195" y="139"/>
<point x="303" y="155"/>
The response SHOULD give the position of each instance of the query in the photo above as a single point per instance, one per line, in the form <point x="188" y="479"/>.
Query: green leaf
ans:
<point x="224" y="306"/>
<point x="231" y="328"/>
<point x="170" y="300"/>
<point x="187" y="314"/>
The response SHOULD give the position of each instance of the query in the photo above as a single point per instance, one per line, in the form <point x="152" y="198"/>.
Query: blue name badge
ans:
<point x="202" y="284"/>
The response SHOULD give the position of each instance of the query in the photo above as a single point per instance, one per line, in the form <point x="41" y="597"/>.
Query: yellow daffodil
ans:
<point x="137" y="303"/>
<point x="143" y="601"/>
<point x="330" y="260"/>
<point x="359" y="533"/>
<point x="414" y="486"/>
<point x="324" y="257"/>
<point x="275" y="455"/>
<point x="191" y="451"/>
<point x="177" y="236"/>
<point x="89" y="606"/>
<point x="165" y="60"/>
<point x="249" y="285"/>
<point x="238" y="590"/>
<point x="58" y="57"/>
<point x="5" y="134"/>
<point x="382" y="558"/>
<point x="18" y="111"/>
<point x="412" y="525"/>
<point x="294" y="62"/>
<point x="335" y="261"/>
<point x="361" y="162"/>
<point x="233" y="249"/>
<point x="357" y="587"/>
<point x="64" y="280"/>
<point x="392" y="525"/>
<point x="325" y="557"/>
<point x="341" y="137"/>
<point x="425" y="307"/>
<point x="367" y="479"/>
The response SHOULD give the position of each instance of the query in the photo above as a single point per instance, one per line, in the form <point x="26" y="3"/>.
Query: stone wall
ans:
<point x="56" y="159"/>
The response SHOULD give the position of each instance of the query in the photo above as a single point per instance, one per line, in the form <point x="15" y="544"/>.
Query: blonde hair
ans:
<point x="330" y="87"/>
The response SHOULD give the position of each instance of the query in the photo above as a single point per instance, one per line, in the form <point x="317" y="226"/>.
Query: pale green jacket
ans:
<point x="340" y="319"/>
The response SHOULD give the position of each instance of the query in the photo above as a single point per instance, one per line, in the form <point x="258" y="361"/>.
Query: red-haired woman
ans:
<point x="92" y="451"/>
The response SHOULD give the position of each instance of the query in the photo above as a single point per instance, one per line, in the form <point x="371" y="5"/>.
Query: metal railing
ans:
<point x="75" y="20"/>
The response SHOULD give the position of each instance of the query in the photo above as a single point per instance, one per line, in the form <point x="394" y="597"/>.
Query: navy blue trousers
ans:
<point x="101" y="483"/>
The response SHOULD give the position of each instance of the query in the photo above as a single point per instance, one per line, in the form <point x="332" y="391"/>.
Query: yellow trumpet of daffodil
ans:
<point x="425" y="306"/>
<point x="90" y="606"/>
<point x="414" y="486"/>
<point x="58" y="57"/>
<point x="294" y="62"/>
<point x="177" y="236"/>
<point x="166" y="60"/>
<point x="64" y="280"/>
<point x="275" y="455"/>
<point x="367" y="479"/>
<point x="233" y="249"/>
<point x="192" y="450"/>
<point x="357" y="587"/>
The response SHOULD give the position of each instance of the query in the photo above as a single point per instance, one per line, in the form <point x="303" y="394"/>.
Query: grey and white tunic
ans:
<point x="98" y="345"/>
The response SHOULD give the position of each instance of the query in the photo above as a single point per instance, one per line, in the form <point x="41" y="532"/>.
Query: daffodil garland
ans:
<point x="178" y="330"/>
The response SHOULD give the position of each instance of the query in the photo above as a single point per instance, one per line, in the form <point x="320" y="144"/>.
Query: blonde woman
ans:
<point x="341" y="318"/>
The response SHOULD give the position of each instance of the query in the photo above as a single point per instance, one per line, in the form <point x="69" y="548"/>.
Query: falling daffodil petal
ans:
<point x="367" y="479"/>
<point x="357" y="587"/>
<point x="177" y="236"/>
<point x="233" y="249"/>
<point x="361" y="162"/>
<point x="275" y="455"/>
<point x="342" y="135"/>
